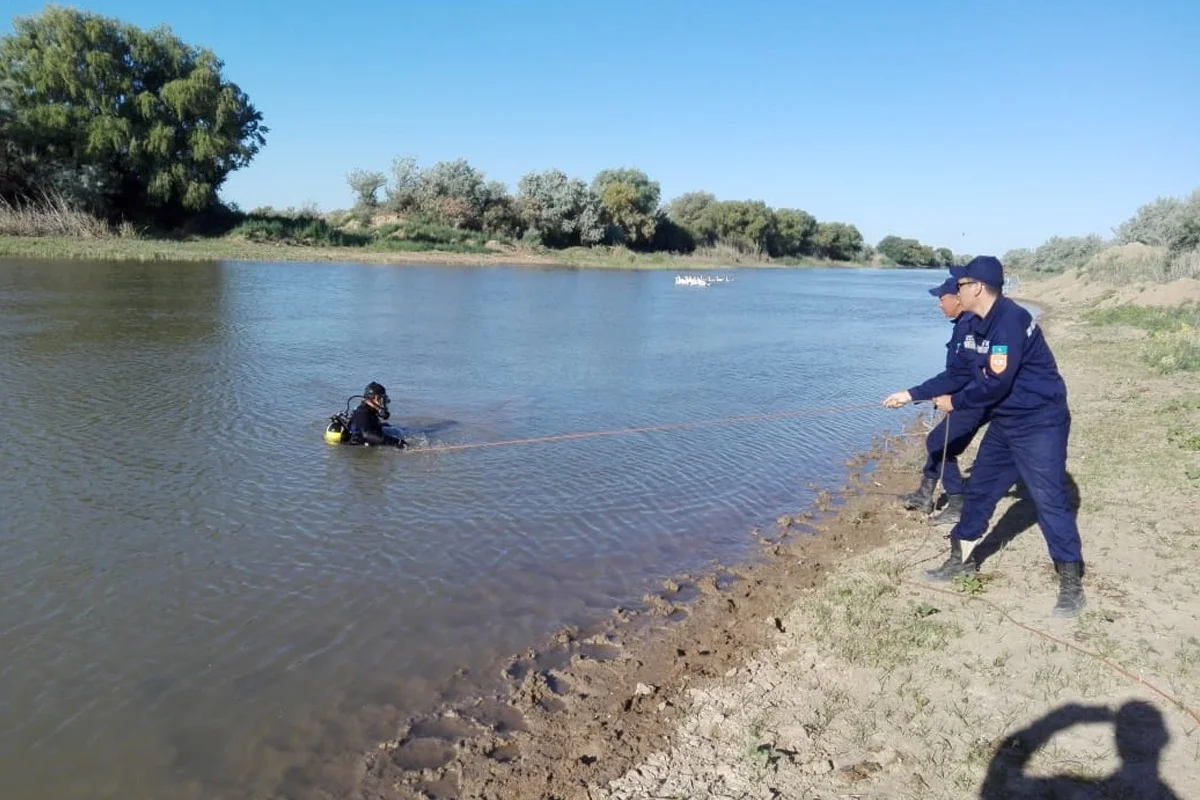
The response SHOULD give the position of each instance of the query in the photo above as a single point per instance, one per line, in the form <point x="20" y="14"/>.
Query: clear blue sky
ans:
<point x="978" y="126"/>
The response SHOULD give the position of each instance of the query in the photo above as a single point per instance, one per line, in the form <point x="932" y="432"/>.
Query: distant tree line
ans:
<point x="137" y="125"/>
<point x="619" y="207"/>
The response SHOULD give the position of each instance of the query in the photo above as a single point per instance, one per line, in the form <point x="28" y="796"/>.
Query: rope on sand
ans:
<point x="1115" y="667"/>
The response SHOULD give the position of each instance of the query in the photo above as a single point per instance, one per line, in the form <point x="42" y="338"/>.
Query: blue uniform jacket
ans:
<point x="1013" y="371"/>
<point x="958" y="370"/>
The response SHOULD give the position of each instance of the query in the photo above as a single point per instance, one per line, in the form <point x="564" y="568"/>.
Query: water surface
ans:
<point x="198" y="594"/>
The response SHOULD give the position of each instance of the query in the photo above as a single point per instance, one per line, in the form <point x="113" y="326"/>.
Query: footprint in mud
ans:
<point x="499" y="718"/>
<point x="421" y="754"/>
<point x="539" y="691"/>
<point x="449" y="729"/>
<point x="598" y="651"/>
<point x="504" y="753"/>
<point x="680" y="591"/>
<point x="557" y="683"/>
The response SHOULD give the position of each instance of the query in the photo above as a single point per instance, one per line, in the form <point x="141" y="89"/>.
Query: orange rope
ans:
<point x="647" y="428"/>
<point x="1050" y="637"/>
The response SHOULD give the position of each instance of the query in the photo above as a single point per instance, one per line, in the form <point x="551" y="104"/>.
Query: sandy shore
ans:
<point x="830" y="669"/>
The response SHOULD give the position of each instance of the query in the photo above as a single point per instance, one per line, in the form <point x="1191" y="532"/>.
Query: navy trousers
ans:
<point x="1034" y="451"/>
<point x="963" y="426"/>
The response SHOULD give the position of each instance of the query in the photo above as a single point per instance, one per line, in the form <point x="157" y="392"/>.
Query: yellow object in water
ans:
<point x="335" y="433"/>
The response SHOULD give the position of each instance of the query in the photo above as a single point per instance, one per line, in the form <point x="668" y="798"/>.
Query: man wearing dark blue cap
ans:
<point x="1015" y="379"/>
<point x="962" y="426"/>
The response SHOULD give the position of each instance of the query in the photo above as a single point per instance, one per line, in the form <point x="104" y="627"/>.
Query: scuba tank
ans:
<point x="338" y="429"/>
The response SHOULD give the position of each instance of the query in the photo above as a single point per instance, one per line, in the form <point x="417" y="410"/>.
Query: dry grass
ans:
<point x="53" y="215"/>
<point x="1139" y="263"/>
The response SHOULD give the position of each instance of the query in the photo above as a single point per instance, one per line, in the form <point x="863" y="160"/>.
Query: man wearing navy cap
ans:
<point x="1016" y="381"/>
<point x="962" y="425"/>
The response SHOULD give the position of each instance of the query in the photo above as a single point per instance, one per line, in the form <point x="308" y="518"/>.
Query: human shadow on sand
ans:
<point x="1140" y="736"/>
<point x="1017" y="518"/>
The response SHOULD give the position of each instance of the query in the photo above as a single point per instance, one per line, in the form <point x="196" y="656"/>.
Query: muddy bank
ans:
<point x="587" y="706"/>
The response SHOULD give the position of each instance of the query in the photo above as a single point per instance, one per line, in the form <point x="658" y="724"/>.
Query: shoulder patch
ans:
<point x="998" y="359"/>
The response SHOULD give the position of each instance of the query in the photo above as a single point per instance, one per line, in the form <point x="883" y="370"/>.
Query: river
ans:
<point x="198" y="593"/>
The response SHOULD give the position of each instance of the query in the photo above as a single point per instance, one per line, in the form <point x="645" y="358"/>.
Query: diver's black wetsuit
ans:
<point x="366" y="428"/>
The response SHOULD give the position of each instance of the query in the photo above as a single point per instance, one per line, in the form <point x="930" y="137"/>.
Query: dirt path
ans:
<point x="831" y="670"/>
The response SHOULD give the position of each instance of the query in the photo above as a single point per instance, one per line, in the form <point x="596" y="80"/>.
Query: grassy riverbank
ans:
<point x="233" y="249"/>
<point x="831" y="669"/>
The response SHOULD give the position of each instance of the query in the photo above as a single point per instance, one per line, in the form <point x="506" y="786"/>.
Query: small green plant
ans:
<point x="862" y="622"/>
<point x="1183" y="437"/>
<point x="1187" y="402"/>
<point x="925" y="610"/>
<point x="1174" y="344"/>
<point x="968" y="583"/>
<point x="1173" y="352"/>
<point x="1148" y="318"/>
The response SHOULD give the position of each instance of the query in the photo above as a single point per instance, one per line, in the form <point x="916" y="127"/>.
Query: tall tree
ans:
<point x="136" y="120"/>
<point x="794" y="232"/>
<point x="628" y="201"/>
<point x="560" y="211"/>
<point x="838" y="241"/>
<point x="454" y="193"/>
<point x="366" y="186"/>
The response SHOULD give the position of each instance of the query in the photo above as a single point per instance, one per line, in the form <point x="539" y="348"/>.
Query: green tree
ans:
<point x="406" y="182"/>
<point x="559" y="211"/>
<point x="893" y="247"/>
<point x="629" y="202"/>
<point x="1153" y="224"/>
<point x="688" y="208"/>
<point x="454" y="193"/>
<point x="911" y="253"/>
<point x="137" y="121"/>
<point x="14" y="173"/>
<point x="670" y="236"/>
<point x="1185" y="234"/>
<point x="745" y="225"/>
<point x="366" y="186"/>
<point x="500" y="214"/>
<point x="838" y="241"/>
<point x="794" y="232"/>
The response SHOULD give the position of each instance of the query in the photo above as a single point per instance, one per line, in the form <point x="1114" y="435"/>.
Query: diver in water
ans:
<point x="366" y="423"/>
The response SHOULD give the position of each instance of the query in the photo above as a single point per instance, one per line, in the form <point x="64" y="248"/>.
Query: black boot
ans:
<point x="922" y="497"/>
<point x="953" y="566"/>
<point x="1070" y="589"/>
<point x="951" y="512"/>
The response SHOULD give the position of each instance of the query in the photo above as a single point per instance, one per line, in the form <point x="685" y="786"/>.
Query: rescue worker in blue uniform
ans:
<point x="1016" y="380"/>
<point x="963" y="425"/>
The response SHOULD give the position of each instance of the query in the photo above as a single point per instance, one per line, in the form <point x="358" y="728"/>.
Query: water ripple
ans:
<point x="198" y="590"/>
